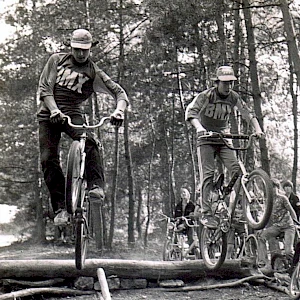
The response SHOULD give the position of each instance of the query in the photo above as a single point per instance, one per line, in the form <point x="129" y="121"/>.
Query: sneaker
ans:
<point x="62" y="218"/>
<point x="209" y="221"/>
<point x="96" y="193"/>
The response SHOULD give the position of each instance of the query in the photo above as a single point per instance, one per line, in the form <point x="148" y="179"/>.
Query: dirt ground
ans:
<point x="51" y="251"/>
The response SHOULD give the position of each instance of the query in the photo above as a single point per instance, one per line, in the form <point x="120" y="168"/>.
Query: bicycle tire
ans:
<point x="82" y="221"/>
<point x="237" y="247"/>
<point x="258" y="212"/>
<point x="250" y="250"/>
<point x="213" y="245"/>
<point x="294" y="286"/>
<point x="73" y="180"/>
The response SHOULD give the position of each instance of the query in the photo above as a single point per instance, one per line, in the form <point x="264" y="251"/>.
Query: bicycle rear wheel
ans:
<point x="294" y="287"/>
<point x="82" y="221"/>
<point x="73" y="180"/>
<point x="213" y="245"/>
<point x="257" y="210"/>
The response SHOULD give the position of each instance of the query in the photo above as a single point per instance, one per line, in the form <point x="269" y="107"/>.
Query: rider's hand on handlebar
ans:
<point x="260" y="135"/>
<point x="56" y="116"/>
<point x="117" y="117"/>
<point x="201" y="133"/>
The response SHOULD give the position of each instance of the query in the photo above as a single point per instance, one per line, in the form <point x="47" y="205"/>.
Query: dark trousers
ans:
<point x="206" y="160"/>
<point x="49" y="138"/>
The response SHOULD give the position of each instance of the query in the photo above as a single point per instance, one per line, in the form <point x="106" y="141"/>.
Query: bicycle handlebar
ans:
<point x="225" y="136"/>
<point x="100" y="124"/>
<point x="186" y="220"/>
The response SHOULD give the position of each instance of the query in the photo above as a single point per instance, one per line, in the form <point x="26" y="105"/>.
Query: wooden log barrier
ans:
<point x="150" y="270"/>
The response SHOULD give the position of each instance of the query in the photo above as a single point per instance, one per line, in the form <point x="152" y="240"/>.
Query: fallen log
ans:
<point x="150" y="270"/>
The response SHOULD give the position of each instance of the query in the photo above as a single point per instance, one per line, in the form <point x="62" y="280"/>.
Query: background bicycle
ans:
<point x="176" y="246"/>
<point x="253" y="192"/>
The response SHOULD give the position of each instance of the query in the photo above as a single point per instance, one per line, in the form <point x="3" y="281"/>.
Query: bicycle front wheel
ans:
<point x="250" y="253"/>
<point x="294" y="287"/>
<point x="82" y="219"/>
<point x="213" y="247"/>
<point x="73" y="180"/>
<point x="257" y="207"/>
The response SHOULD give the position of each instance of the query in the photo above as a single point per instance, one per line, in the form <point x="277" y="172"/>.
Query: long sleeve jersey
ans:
<point x="213" y="111"/>
<point x="71" y="83"/>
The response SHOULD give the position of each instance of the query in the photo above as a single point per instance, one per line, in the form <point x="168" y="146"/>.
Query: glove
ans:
<point x="56" y="116"/>
<point x="117" y="117"/>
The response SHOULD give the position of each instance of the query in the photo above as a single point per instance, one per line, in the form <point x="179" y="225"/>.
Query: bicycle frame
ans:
<point x="238" y="180"/>
<point x="77" y="199"/>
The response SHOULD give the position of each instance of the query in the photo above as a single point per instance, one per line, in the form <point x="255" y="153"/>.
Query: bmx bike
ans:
<point x="253" y="192"/>
<point x="245" y="244"/>
<point x="78" y="204"/>
<point x="176" y="246"/>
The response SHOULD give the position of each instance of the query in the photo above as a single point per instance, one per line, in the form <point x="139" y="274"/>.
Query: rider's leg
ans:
<point x="94" y="162"/>
<point x="206" y="162"/>
<point x="229" y="160"/>
<point x="267" y="235"/>
<point x="49" y="137"/>
<point x="289" y="237"/>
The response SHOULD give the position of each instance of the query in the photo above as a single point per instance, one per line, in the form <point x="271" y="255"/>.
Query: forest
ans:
<point x="163" y="53"/>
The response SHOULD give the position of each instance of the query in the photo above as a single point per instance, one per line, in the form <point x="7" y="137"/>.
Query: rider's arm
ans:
<point x="249" y="116"/>
<point x="46" y="85"/>
<point x="104" y="84"/>
<point x="196" y="123"/>
<point x="48" y="78"/>
<point x="289" y="207"/>
<point x="192" y="112"/>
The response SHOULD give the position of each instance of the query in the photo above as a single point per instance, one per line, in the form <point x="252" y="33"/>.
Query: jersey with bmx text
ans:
<point x="71" y="83"/>
<point x="213" y="111"/>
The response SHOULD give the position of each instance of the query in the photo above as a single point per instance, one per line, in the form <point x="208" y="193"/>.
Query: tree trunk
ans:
<point x="131" y="194"/>
<point x="186" y="132"/>
<point x="151" y="270"/>
<point x="114" y="189"/>
<point x="255" y="83"/>
<point x="139" y="212"/>
<point x="294" y="60"/>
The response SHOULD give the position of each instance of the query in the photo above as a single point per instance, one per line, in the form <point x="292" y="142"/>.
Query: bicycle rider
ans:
<point x="210" y="111"/>
<point x="281" y="221"/>
<point x="185" y="208"/>
<point x="66" y="81"/>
